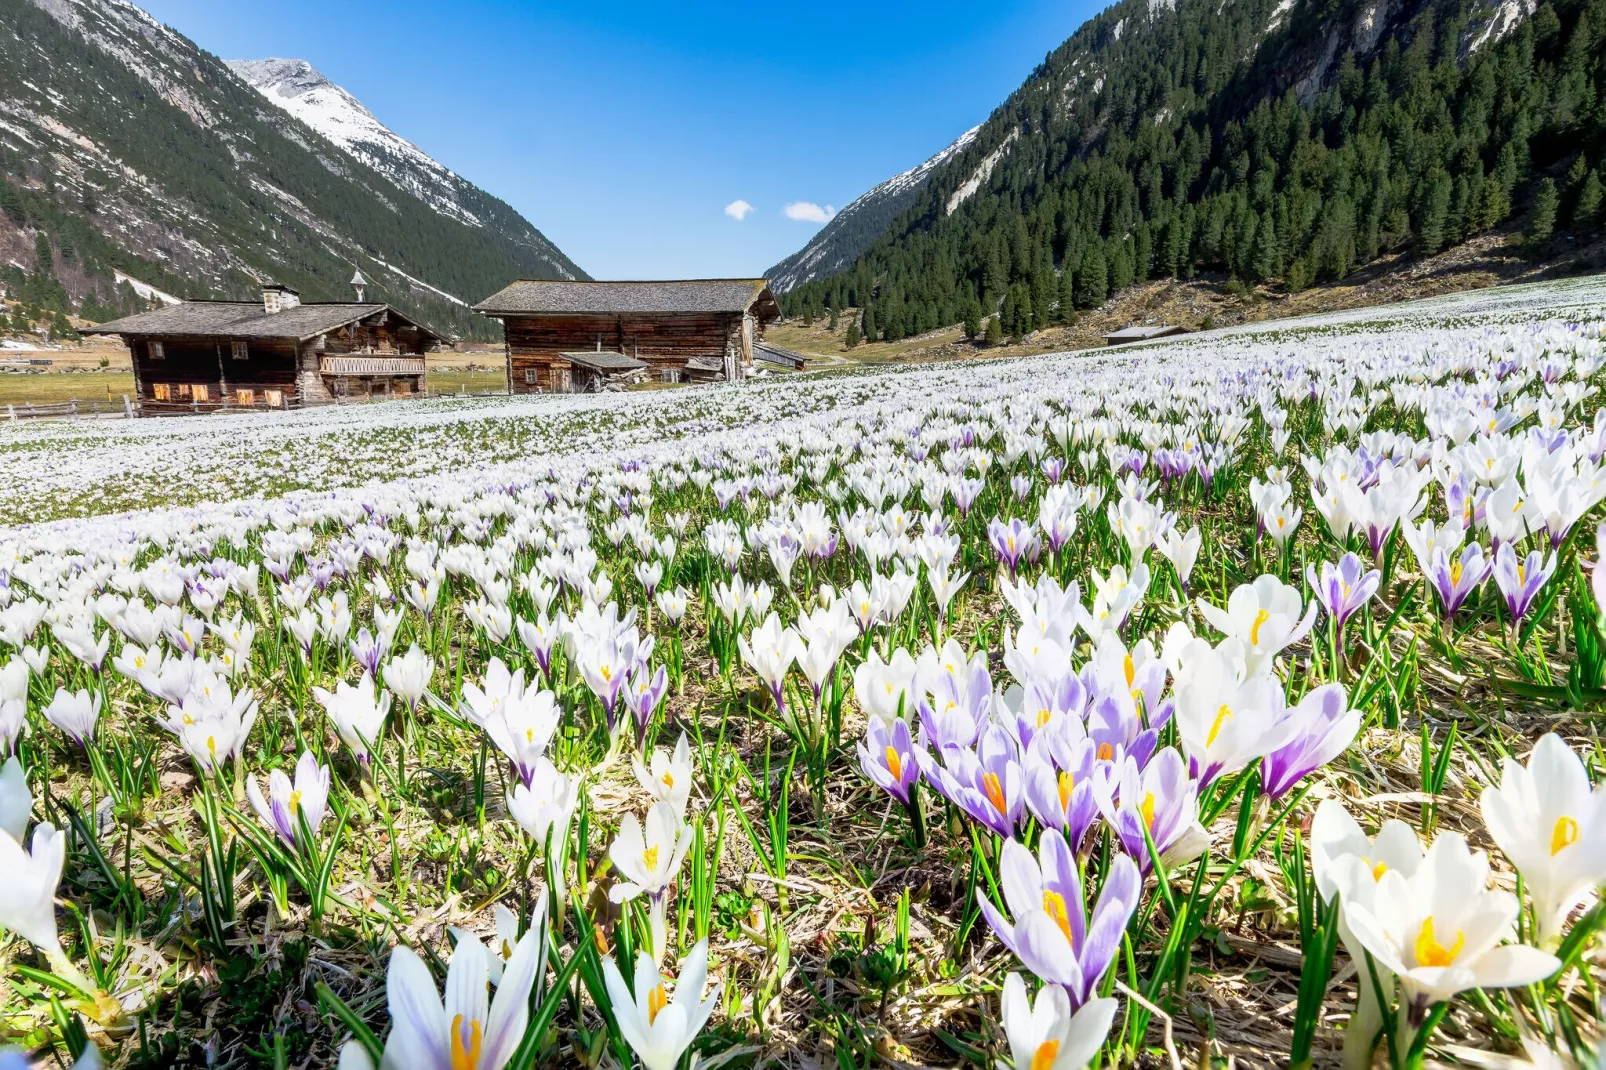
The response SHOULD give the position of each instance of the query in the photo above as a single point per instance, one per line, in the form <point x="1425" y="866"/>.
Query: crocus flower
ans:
<point x="28" y="893"/>
<point x="288" y="801"/>
<point x="887" y="756"/>
<point x="1052" y="933"/>
<point x="1012" y="541"/>
<point x="507" y="936"/>
<point x="545" y="803"/>
<point x="1552" y="826"/>
<point x="75" y="713"/>
<point x="1455" y="579"/>
<point x="668" y="778"/>
<point x="643" y="693"/>
<point x="1323" y="725"/>
<point x="469" y="1031"/>
<point x="883" y="689"/>
<point x="659" y="1028"/>
<point x="16" y="801"/>
<point x="13" y="702"/>
<point x="1440" y="929"/>
<point x="1266" y="616"/>
<point x="407" y="675"/>
<point x="1226" y="721"/>
<point x="1162" y="799"/>
<point x="519" y="721"/>
<point x="1047" y="1035"/>
<point x="1342" y="589"/>
<point x="358" y="714"/>
<point x="648" y="859"/>
<point x="985" y="783"/>
<point x="539" y="637"/>
<point x="1521" y="580"/>
<point x="1061" y="795"/>
<point x="770" y="651"/>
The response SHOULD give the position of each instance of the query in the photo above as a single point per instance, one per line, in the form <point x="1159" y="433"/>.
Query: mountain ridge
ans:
<point x="126" y="148"/>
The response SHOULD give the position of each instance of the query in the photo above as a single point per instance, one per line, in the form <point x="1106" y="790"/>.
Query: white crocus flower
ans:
<point x="1334" y="837"/>
<point x="545" y="806"/>
<point x="1440" y="930"/>
<point x="27" y="895"/>
<point x="883" y="689"/>
<point x="358" y="713"/>
<point x="770" y="651"/>
<point x="1552" y="826"/>
<point x="668" y="778"/>
<point x="1265" y="616"/>
<point x="648" y="860"/>
<point x="407" y="675"/>
<point x="469" y="1031"/>
<point x="287" y="801"/>
<point x="1226" y="720"/>
<point x="507" y="935"/>
<point x="659" y="1029"/>
<point x="75" y="713"/>
<point x="16" y="802"/>
<point x="1045" y="1035"/>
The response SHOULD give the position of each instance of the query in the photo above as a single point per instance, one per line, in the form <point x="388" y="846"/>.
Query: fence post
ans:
<point x="128" y="408"/>
<point x="11" y="411"/>
<point x="72" y="407"/>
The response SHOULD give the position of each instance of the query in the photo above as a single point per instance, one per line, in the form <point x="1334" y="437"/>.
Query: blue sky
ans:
<point x="623" y="130"/>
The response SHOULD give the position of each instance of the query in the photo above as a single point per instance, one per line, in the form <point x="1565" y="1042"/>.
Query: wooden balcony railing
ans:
<point x="350" y="365"/>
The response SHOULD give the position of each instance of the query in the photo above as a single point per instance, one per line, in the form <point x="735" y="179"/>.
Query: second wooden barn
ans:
<point x="681" y="330"/>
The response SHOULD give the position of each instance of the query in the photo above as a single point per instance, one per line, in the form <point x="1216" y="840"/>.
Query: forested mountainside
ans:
<point x="1289" y="141"/>
<point x="127" y="150"/>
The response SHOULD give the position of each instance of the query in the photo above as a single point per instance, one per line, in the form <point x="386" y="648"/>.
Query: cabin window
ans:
<point x="200" y="392"/>
<point x="241" y="352"/>
<point x="532" y="376"/>
<point x="245" y="397"/>
<point x="401" y="387"/>
<point x="161" y="392"/>
<point x="156" y="351"/>
<point x="274" y="398"/>
<point x="183" y="391"/>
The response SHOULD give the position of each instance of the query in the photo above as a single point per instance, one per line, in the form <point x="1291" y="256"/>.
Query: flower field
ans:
<point x="1227" y="700"/>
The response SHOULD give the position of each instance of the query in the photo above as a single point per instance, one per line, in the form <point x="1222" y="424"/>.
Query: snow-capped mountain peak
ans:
<point x="297" y="87"/>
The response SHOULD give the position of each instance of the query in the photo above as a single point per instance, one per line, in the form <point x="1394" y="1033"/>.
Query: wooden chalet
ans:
<point x="203" y="356"/>
<point x="683" y="330"/>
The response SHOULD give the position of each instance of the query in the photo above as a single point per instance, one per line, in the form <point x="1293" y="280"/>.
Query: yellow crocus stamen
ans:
<point x="657" y="1000"/>
<point x="667" y="780"/>
<point x="1043" y="1058"/>
<point x="1222" y="716"/>
<point x="1054" y="907"/>
<point x="1043" y="715"/>
<point x="1067" y="785"/>
<point x="1455" y="572"/>
<point x="1563" y="834"/>
<point x="1254" y="630"/>
<point x="1106" y="752"/>
<point x="466" y="1058"/>
<point x="1378" y="870"/>
<point x="649" y="858"/>
<point x="1429" y="952"/>
<point x="1131" y="670"/>
<point x="1147" y="809"/>
<point x="894" y="764"/>
<point x="295" y="801"/>
<point x="995" y="790"/>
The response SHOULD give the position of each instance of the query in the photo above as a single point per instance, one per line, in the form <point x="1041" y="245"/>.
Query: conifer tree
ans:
<point x="1586" y="211"/>
<point x="1542" y="222"/>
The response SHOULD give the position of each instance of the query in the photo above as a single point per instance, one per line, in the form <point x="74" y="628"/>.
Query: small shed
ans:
<point x="593" y="371"/>
<point x="202" y="356"/>
<point x="781" y="358"/>
<point x="1143" y="333"/>
<point x="667" y="325"/>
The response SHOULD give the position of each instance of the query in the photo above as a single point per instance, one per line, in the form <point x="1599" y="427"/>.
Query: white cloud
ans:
<point x="809" y="212"/>
<point x="738" y="210"/>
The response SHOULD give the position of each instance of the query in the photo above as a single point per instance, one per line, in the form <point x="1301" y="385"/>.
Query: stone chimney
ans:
<point x="279" y="298"/>
<point x="360" y="284"/>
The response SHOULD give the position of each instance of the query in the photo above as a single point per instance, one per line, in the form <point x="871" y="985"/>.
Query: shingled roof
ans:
<point x="246" y="319"/>
<point x="540" y="297"/>
<point x="603" y="361"/>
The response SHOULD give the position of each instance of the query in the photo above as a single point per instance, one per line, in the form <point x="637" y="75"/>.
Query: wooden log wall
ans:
<point x="187" y="362"/>
<point x="663" y="341"/>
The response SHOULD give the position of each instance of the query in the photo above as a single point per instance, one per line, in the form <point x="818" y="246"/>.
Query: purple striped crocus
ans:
<point x="1162" y="798"/>
<point x="1342" y="589"/>
<point x="1012" y="541"/>
<point x="1053" y="934"/>
<point x="1521" y="580"/>
<point x="1455" y="579"/>
<point x="985" y="783"/>
<point x="1326" y="725"/>
<point x="887" y="756"/>
<point x="288" y="801"/>
<point x="1059" y="785"/>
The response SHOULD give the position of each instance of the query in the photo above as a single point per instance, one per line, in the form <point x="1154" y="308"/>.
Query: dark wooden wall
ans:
<point x="663" y="341"/>
<point x="188" y="361"/>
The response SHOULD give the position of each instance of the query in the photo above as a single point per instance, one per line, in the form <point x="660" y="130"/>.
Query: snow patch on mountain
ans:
<point x="297" y="87"/>
<point x="983" y="172"/>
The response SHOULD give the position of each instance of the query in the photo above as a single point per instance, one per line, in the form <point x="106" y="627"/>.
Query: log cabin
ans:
<point x="205" y="356"/>
<point x="682" y="330"/>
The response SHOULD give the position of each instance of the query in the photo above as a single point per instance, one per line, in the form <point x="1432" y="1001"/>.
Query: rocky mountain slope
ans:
<point x="852" y="230"/>
<point x="126" y="149"/>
